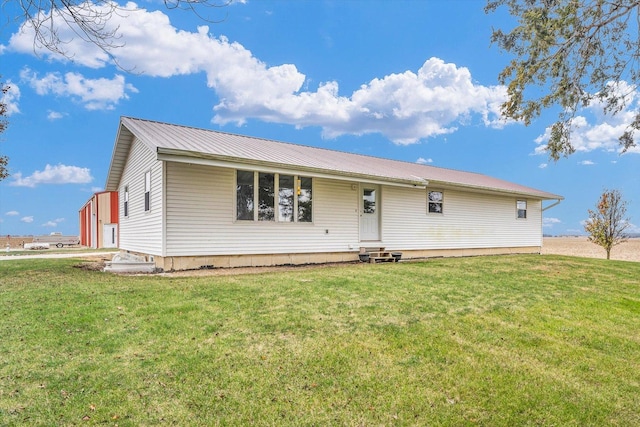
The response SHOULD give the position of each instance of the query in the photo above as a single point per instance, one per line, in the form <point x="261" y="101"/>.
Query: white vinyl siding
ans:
<point x="141" y="231"/>
<point x="469" y="220"/>
<point x="201" y="217"/>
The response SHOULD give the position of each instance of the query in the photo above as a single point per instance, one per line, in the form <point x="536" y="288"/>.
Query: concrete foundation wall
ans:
<point x="264" y="260"/>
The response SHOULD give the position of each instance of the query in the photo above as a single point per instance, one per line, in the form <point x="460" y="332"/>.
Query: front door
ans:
<point x="110" y="236"/>
<point x="370" y="212"/>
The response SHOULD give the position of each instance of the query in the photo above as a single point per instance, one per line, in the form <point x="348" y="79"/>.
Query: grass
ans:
<point x="516" y="340"/>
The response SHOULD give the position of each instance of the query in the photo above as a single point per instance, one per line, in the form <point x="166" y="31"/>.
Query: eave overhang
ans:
<point x="185" y="156"/>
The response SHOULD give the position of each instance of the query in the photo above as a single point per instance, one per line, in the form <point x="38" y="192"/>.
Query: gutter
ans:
<point x="492" y="190"/>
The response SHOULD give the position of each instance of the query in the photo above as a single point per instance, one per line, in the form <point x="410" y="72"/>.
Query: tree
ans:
<point x="607" y="224"/>
<point x="4" y="160"/>
<point x="569" y="53"/>
<point x="88" y="19"/>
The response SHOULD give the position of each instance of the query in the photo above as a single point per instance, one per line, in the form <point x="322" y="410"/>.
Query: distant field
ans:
<point x="14" y="241"/>
<point x="571" y="246"/>
<point x="580" y="246"/>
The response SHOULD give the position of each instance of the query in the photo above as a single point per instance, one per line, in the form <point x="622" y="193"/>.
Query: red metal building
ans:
<point x="99" y="221"/>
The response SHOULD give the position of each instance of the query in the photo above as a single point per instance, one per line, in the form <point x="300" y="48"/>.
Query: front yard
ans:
<point x="515" y="340"/>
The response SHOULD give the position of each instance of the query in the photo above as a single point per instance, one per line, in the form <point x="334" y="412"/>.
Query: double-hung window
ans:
<point x="521" y="208"/>
<point x="147" y="191"/>
<point x="266" y="189"/>
<point x="304" y="199"/>
<point x="244" y="195"/>
<point x="274" y="197"/>
<point x="435" y="201"/>
<point x="285" y="198"/>
<point x="126" y="200"/>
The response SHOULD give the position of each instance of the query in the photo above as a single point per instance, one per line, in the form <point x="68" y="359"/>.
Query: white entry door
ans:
<point x="370" y="212"/>
<point x="110" y="236"/>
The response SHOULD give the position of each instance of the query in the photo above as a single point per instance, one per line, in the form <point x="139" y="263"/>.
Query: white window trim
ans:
<point x="434" y="190"/>
<point x="276" y="201"/>
<point x="518" y="201"/>
<point x="125" y="204"/>
<point x="147" y="174"/>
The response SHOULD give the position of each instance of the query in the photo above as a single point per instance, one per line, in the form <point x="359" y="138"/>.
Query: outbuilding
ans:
<point x="98" y="220"/>
<point x="195" y="198"/>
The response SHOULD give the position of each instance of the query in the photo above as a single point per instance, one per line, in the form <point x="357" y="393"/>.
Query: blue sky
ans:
<point x="408" y="80"/>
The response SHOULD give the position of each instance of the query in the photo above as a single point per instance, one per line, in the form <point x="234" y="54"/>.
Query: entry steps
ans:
<point x="378" y="254"/>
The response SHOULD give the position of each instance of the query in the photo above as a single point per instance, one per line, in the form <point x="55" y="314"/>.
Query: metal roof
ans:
<point x="182" y="142"/>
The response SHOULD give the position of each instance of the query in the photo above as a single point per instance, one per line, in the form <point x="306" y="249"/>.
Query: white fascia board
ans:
<point x="490" y="190"/>
<point x="169" y="155"/>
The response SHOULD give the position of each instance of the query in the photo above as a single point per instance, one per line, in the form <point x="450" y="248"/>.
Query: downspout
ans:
<point x="557" y="202"/>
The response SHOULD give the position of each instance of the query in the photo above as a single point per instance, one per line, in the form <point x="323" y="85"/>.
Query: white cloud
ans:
<point x="550" y="222"/>
<point x="95" y="94"/>
<point x="54" y="115"/>
<point x="405" y="107"/>
<point x="53" y="223"/>
<point x="586" y="163"/>
<point x="595" y="130"/>
<point x="27" y="219"/>
<point x="10" y="98"/>
<point x="543" y="165"/>
<point x="59" y="174"/>
<point x="423" y="161"/>
<point x="12" y="213"/>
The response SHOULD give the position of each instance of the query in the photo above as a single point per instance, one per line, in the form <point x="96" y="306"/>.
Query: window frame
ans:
<point x="252" y="210"/>
<point x="519" y="209"/>
<point x="435" y="202"/>
<point x="126" y="201"/>
<point x="297" y="197"/>
<point x="147" y="191"/>
<point x="266" y="200"/>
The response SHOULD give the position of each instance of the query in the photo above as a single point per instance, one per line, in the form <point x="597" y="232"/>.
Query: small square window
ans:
<point x="435" y="201"/>
<point x="521" y="207"/>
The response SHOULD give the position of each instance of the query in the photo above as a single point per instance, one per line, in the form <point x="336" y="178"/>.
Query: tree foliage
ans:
<point x="607" y="223"/>
<point x="89" y="20"/>
<point x="569" y="53"/>
<point x="4" y="160"/>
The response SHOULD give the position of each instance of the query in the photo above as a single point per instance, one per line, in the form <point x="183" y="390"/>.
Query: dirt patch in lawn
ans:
<point x="581" y="247"/>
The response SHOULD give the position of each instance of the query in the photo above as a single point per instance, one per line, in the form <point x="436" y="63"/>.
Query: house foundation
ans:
<point x="178" y="263"/>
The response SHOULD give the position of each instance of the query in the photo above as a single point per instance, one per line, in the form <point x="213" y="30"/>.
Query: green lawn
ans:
<point x="515" y="340"/>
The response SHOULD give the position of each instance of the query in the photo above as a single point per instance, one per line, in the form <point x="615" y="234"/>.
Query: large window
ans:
<point x="266" y="189"/>
<point x="278" y="197"/>
<point x="435" y="201"/>
<point x="521" y="207"/>
<point x="147" y="191"/>
<point x="304" y="200"/>
<point x="244" y="195"/>
<point x="285" y="198"/>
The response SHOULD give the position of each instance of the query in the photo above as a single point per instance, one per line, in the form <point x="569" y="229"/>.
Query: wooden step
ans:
<point x="381" y="256"/>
